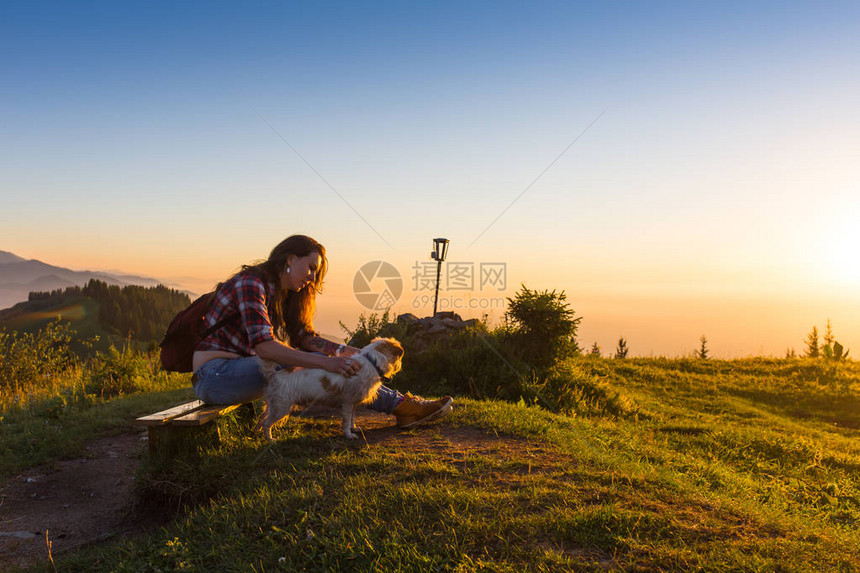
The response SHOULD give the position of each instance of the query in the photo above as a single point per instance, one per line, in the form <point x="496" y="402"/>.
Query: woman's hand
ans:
<point x="347" y="351"/>
<point x="291" y="358"/>
<point x="342" y="365"/>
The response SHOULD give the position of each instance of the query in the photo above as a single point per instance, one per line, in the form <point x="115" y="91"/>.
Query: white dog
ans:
<point x="379" y="359"/>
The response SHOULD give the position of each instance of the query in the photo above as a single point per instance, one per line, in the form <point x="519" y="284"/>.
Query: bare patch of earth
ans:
<point x="70" y="503"/>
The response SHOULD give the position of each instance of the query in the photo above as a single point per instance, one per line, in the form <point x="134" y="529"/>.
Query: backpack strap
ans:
<point x="221" y="322"/>
<point x="218" y="325"/>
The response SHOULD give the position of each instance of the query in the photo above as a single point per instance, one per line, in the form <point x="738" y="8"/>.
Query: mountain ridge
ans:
<point x="7" y="257"/>
<point x="20" y="276"/>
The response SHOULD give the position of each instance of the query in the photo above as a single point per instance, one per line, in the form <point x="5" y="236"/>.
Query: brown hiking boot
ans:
<point x="415" y="410"/>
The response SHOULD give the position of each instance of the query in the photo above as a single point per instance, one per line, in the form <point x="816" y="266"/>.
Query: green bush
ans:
<point x="476" y="363"/>
<point x="118" y="372"/>
<point x="29" y="359"/>
<point x="582" y="386"/>
<point x="370" y="327"/>
<point x="542" y="326"/>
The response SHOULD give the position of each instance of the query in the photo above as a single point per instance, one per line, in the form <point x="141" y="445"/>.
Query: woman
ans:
<point x="266" y="310"/>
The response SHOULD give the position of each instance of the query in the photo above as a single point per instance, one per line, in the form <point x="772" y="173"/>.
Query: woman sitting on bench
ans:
<point x="266" y="310"/>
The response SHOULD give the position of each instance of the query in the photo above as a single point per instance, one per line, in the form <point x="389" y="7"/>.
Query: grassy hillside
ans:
<point x="746" y="465"/>
<point x="80" y="311"/>
<point x="110" y="314"/>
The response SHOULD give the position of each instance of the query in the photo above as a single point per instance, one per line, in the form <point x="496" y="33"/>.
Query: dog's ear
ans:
<point x="391" y="348"/>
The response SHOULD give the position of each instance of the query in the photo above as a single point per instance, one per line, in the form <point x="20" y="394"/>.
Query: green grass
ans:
<point x="58" y="428"/>
<point x="745" y="465"/>
<point x="50" y="412"/>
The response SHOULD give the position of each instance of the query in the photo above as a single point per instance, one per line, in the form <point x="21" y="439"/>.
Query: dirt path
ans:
<point x="75" y="501"/>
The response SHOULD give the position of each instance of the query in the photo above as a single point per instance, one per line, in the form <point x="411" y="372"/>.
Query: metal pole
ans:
<point x="436" y="298"/>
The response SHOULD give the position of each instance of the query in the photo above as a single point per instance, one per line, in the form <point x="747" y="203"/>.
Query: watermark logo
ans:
<point x="460" y="276"/>
<point x="377" y="285"/>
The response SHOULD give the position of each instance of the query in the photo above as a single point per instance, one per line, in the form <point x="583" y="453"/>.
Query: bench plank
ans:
<point x="187" y="426"/>
<point x="166" y="416"/>
<point x="203" y="415"/>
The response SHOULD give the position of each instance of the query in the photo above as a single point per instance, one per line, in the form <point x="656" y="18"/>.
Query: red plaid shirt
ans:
<point x="244" y="298"/>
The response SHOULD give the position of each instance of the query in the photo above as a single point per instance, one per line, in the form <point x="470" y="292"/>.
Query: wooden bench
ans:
<point x="189" y="422"/>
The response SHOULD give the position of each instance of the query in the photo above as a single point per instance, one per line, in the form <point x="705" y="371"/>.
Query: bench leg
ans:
<point x="167" y="441"/>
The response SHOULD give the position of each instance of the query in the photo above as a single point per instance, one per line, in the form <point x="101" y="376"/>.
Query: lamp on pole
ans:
<point x="440" y="251"/>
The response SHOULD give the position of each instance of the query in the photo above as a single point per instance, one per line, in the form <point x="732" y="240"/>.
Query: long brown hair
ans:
<point x="291" y="313"/>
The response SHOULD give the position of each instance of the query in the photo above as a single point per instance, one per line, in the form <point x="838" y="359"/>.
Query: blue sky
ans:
<point x="717" y="188"/>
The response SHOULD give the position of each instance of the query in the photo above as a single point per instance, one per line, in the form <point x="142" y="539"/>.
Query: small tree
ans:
<point x="702" y="352"/>
<point x="621" y="350"/>
<point x="544" y="327"/>
<point x="595" y="350"/>
<point x="812" y="350"/>
<point x="832" y="349"/>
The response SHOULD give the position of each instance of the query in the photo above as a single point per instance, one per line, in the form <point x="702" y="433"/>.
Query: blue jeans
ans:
<point x="238" y="380"/>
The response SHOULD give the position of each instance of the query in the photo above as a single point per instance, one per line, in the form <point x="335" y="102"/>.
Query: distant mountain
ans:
<point x="49" y="283"/>
<point x="6" y="257"/>
<point x="19" y="277"/>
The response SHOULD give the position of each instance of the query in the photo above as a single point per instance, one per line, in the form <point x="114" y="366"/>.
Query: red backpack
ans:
<point x="183" y="335"/>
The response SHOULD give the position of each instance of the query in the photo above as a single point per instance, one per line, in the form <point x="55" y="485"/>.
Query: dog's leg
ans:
<point x="263" y="423"/>
<point x="262" y="419"/>
<point x="276" y="410"/>
<point x="348" y="413"/>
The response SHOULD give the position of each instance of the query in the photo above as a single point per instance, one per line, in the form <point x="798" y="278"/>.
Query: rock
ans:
<point x="407" y="317"/>
<point x="437" y="329"/>
<point x="18" y="534"/>
<point x="423" y="332"/>
<point x="448" y="314"/>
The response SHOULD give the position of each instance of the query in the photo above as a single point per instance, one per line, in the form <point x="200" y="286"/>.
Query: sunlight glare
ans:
<point x="841" y="248"/>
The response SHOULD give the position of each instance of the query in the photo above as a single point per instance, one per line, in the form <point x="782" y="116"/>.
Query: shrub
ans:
<point x="831" y="350"/>
<point x="118" y="372"/>
<point x="543" y="327"/>
<point x="112" y="373"/>
<point x="369" y="327"/>
<point x="28" y="359"/>
<point x="475" y="363"/>
<point x="579" y="386"/>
